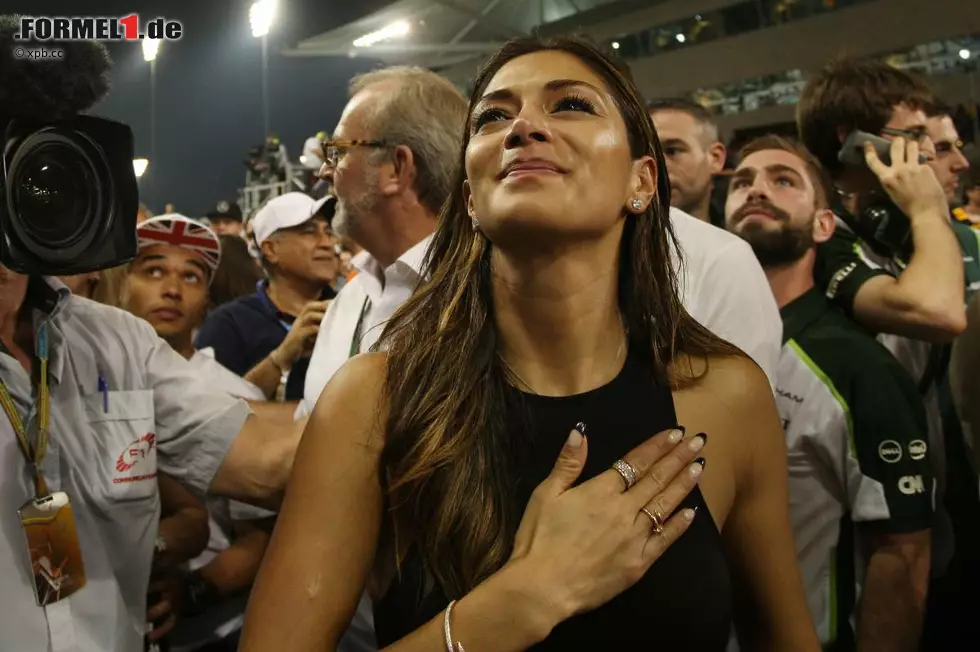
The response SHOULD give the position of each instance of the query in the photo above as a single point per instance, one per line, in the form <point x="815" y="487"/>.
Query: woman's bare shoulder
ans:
<point x="734" y="381"/>
<point x="366" y="370"/>
<point x="354" y="397"/>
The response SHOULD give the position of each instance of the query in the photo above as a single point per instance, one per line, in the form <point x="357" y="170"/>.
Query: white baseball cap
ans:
<point x="284" y="212"/>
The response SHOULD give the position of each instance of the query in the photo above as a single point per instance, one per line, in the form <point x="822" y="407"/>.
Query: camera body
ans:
<point x="68" y="196"/>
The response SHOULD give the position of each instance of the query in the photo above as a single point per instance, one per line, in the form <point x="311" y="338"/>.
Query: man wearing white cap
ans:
<point x="268" y="336"/>
<point x="167" y="285"/>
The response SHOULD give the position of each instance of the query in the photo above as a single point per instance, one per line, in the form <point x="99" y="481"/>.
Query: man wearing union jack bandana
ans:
<point x="167" y="284"/>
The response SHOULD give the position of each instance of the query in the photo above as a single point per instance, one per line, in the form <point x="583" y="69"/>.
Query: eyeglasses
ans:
<point x="946" y="147"/>
<point x="927" y="148"/>
<point x="918" y="134"/>
<point x="334" y="150"/>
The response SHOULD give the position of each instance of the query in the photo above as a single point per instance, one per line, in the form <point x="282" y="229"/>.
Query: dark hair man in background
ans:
<point x="694" y="154"/>
<point x="949" y="164"/>
<point x="860" y="484"/>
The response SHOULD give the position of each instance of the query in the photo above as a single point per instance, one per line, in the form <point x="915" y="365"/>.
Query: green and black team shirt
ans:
<point x="844" y="264"/>
<point x="858" y="450"/>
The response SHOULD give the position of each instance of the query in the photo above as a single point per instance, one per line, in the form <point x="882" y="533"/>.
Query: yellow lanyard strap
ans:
<point x="33" y="454"/>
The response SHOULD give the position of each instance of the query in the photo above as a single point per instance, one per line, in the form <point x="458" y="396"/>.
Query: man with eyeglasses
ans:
<point x="912" y="295"/>
<point x="921" y="297"/>
<point x="391" y="163"/>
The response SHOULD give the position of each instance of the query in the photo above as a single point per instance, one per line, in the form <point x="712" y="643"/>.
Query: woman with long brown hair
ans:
<point x="548" y="328"/>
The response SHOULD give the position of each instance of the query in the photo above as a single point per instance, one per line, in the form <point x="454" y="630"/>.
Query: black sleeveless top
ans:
<point x="684" y="601"/>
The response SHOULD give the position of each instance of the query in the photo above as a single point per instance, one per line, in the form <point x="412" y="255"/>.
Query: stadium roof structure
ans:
<point x="454" y="36"/>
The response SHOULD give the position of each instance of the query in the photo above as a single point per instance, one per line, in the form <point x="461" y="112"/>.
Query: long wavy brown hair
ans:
<point x="449" y="464"/>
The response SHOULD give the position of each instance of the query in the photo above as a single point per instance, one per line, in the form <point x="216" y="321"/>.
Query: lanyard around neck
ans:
<point x="34" y="454"/>
<point x="355" y="343"/>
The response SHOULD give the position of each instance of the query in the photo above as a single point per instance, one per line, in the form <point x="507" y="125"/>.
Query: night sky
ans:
<point x="209" y="107"/>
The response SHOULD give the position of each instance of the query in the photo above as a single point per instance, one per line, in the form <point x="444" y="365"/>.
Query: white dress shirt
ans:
<point x="370" y="298"/>
<point x="723" y="286"/>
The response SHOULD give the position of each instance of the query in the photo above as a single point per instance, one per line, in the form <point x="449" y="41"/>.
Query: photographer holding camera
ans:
<point x="94" y="402"/>
<point x="894" y="264"/>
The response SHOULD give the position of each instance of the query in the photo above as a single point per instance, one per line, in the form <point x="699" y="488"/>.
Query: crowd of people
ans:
<point x="520" y="381"/>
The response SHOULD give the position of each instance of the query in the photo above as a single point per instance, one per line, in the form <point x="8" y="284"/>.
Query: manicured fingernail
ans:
<point x="688" y="514"/>
<point x="580" y="426"/>
<point x="676" y="435"/>
<point x="575" y="439"/>
<point x="697" y="442"/>
<point x="697" y="467"/>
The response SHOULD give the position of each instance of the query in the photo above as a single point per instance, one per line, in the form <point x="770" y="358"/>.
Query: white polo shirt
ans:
<point x="723" y="286"/>
<point x="158" y="414"/>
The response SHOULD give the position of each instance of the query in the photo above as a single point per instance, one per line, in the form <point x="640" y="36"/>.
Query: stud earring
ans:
<point x="475" y="223"/>
<point x="637" y="204"/>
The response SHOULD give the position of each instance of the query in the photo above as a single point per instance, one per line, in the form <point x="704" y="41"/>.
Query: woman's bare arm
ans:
<point x="323" y="548"/>
<point x="773" y="612"/>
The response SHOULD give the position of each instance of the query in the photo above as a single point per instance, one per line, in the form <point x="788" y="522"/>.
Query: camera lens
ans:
<point x="60" y="188"/>
<point x="53" y="194"/>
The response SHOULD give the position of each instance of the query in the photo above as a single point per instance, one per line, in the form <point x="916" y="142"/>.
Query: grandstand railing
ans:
<point x="253" y="195"/>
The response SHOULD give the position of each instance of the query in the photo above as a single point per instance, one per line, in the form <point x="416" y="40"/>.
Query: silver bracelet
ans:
<point x="450" y="646"/>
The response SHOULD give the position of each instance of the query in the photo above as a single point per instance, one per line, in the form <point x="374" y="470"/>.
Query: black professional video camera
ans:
<point x="68" y="193"/>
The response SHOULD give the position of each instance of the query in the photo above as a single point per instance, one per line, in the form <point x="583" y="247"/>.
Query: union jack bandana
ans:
<point x="181" y="231"/>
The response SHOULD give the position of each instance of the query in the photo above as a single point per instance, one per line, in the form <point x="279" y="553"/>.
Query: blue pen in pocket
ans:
<point x="104" y="390"/>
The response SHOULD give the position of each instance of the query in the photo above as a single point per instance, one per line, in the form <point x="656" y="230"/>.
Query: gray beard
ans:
<point x="341" y="222"/>
<point x="349" y="213"/>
